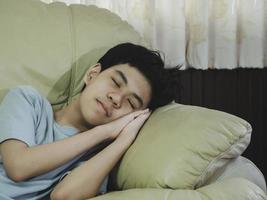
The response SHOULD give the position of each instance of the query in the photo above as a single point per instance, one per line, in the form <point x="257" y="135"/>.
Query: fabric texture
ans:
<point x="239" y="167"/>
<point x="241" y="92"/>
<point x="185" y="146"/>
<point x="203" y="34"/>
<point x="230" y="189"/>
<point x="27" y="116"/>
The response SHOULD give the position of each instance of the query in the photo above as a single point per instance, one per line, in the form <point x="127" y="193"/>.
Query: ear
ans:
<point x="92" y="73"/>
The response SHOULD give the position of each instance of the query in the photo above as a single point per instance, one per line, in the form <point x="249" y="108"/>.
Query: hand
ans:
<point x="131" y="130"/>
<point x="114" y="127"/>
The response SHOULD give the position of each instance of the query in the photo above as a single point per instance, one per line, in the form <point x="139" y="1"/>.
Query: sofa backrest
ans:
<point x="44" y="45"/>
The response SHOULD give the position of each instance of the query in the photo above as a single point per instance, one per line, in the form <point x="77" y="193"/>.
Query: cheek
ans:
<point x="85" y="104"/>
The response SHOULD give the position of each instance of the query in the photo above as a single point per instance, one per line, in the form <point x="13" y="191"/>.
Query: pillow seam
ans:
<point x="248" y="133"/>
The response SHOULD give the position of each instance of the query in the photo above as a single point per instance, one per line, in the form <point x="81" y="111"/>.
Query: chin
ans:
<point x="95" y="119"/>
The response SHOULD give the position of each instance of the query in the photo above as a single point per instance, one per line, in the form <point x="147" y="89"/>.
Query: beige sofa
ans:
<point x="182" y="152"/>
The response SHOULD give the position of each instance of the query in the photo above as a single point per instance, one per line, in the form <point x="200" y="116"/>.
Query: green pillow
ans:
<point x="181" y="146"/>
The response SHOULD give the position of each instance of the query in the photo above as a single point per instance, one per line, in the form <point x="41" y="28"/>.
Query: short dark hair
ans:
<point x="150" y="64"/>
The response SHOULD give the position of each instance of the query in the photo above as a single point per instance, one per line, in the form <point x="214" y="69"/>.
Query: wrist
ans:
<point x="123" y="145"/>
<point x="103" y="132"/>
<point x="124" y="141"/>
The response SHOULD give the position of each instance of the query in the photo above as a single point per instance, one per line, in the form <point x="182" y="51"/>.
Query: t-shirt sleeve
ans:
<point x="18" y="116"/>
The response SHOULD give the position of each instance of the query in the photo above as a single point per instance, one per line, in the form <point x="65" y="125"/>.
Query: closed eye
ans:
<point x="118" y="85"/>
<point x="115" y="82"/>
<point x="131" y="104"/>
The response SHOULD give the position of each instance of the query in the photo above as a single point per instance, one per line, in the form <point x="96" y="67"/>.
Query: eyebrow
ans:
<point x="124" y="78"/>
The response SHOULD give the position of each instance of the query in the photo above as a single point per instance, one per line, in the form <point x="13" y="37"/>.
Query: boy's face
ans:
<point x="121" y="89"/>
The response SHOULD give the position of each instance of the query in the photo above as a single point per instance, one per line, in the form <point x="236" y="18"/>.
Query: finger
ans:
<point x="140" y="120"/>
<point x="141" y="111"/>
<point x="143" y="116"/>
<point x="147" y="114"/>
<point x="137" y="113"/>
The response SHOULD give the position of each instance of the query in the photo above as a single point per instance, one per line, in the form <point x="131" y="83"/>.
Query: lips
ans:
<point x="103" y="106"/>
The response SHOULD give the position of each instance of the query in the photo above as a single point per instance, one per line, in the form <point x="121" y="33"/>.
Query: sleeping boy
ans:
<point x="42" y="150"/>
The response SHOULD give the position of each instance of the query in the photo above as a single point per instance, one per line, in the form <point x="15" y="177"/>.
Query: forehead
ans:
<point x="136" y="81"/>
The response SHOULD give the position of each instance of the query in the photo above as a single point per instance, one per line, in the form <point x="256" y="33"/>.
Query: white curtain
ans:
<point x="198" y="33"/>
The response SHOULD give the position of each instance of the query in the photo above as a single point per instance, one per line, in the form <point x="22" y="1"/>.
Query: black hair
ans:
<point x="163" y="82"/>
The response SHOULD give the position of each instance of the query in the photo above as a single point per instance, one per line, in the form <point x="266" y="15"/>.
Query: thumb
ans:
<point x="142" y="118"/>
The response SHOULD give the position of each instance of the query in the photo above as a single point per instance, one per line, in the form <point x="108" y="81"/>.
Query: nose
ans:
<point x="115" y="99"/>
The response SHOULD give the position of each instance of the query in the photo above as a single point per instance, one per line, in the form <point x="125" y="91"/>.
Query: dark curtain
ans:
<point x="241" y="91"/>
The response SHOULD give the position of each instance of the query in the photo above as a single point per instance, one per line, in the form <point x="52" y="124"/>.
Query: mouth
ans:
<point x="103" y="107"/>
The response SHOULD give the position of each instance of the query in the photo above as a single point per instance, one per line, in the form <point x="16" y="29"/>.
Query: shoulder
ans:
<point x="25" y="91"/>
<point x="27" y="94"/>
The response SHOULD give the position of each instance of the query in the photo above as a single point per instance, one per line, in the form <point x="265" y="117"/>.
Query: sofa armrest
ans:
<point x="239" y="167"/>
<point x="234" y="188"/>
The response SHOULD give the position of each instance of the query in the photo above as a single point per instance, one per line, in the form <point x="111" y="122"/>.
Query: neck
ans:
<point x="71" y="116"/>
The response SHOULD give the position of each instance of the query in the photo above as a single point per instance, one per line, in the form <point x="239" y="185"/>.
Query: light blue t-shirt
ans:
<point x="27" y="116"/>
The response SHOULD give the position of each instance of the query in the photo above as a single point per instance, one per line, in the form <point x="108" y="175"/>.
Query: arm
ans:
<point x="22" y="162"/>
<point x="22" y="157"/>
<point x="84" y="181"/>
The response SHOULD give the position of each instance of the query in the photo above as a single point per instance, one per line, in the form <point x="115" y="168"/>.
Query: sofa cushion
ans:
<point x="240" y="167"/>
<point x="181" y="146"/>
<point x="233" y="188"/>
